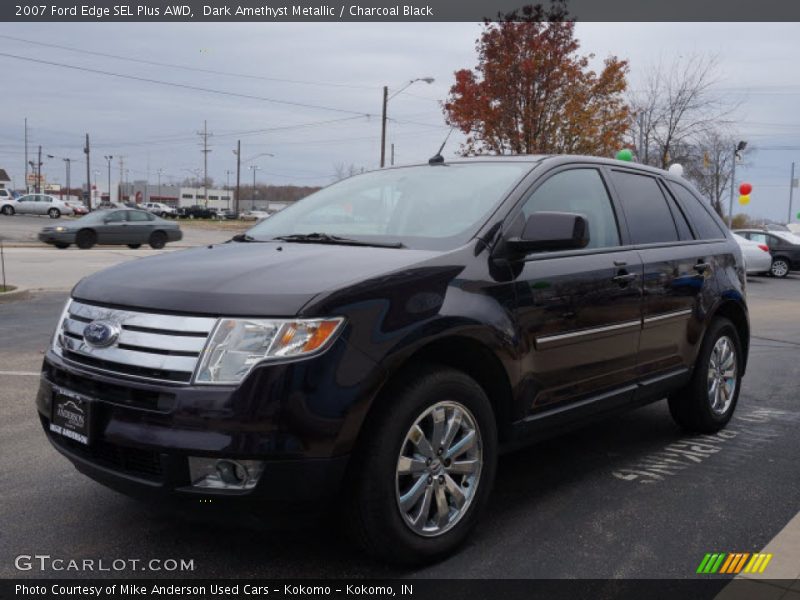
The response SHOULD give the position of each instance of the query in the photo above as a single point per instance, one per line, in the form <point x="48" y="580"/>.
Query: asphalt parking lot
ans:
<point x="604" y="501"/>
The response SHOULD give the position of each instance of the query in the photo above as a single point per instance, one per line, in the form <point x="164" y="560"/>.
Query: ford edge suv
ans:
<point x="378" y="344"/>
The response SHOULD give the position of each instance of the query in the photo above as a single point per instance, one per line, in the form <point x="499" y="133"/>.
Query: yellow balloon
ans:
<point x="744" y="200"/>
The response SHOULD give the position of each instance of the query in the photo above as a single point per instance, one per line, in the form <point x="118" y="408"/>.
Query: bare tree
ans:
<point x="709" y="165"/>
<point x="343" y="171"/>
<point x="676" y="108"/>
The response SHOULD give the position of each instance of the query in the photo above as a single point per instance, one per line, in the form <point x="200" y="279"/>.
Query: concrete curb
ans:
<point x="20" y="293"/>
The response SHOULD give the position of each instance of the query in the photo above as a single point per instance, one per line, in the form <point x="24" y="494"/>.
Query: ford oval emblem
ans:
<point x="101" y="334"/>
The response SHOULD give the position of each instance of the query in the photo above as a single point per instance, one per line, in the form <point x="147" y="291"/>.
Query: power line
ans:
<point x="184" y="86"/>
<point x="194" y="69"/>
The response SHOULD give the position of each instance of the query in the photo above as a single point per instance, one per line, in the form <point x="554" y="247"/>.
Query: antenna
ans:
<point x="438" y="159"/>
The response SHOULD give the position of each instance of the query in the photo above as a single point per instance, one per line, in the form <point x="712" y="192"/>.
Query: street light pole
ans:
<point x="159" y="172"/>
<point x="68" y="162"/>
<point x="39" y="173"/>
<point x="736" y="150"/>
<point x="238" y="174"/>
<point x="386" y="99"/>
<point x="791" y="193"/>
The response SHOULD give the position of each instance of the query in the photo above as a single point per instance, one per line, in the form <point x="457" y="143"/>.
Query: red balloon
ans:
<point x="745" y="189"/>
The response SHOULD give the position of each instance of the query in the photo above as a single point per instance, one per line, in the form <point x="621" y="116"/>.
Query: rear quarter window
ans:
<point x="699" y="215"/>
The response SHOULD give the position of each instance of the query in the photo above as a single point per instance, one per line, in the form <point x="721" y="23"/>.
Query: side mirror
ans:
<point x="551" y="231"/>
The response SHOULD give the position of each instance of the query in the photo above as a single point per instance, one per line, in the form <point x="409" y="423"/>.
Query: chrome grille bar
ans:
<point x="149" y="345"/>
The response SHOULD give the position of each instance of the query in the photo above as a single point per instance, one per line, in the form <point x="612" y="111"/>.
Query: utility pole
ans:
<point x="26" y="155"/>
<point x="391" y="159"/>
<point x="205" y="135"/>
<point x="159" y="172"/>
<point x="383" y="125"/>
<point x="791" y="193"/>
<point x="39" y="172"/>
<point x="109" y="158"/>
<point x="121" y="180"/>
<point x="88" y="174"/>
<point x="238" y="174"/>
<point x="68" y="162"/>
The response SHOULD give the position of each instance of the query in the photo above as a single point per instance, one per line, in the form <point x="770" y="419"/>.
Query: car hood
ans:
<point x="241" y="279"/>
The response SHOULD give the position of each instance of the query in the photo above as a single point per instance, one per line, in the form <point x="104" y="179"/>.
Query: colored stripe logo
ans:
<point x="733" y="563"/>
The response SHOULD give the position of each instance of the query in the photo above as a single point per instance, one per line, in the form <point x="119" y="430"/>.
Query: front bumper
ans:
<point x="57" y="237"/>
<point x="289" y="415"/>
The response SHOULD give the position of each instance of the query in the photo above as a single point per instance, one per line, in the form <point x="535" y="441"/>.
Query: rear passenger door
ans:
<point x="678" y="281"/>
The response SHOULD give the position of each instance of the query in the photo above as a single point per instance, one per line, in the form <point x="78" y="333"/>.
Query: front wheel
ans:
<point x="85" y="239"/>
<point x="54" y="213"/>
<point x="8" y="210"/>
<point x="780" y="267"/>
<point x="158" y="239"/>
<point x="425" y="470"/>
<point x="707" y="403"/>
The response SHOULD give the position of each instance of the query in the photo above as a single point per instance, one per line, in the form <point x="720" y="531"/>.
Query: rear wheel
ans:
<point x="163" y="214"/>
<point x="707" y="403"/>
<point x="85" y="239"/>
<point x="425" y="471"/>
<point x="8" y="210"/>
<point x="134" y="246"/>
<point x="54" y="213"/>
<point x="158" y="239"/>
<point x="780" y="267"/>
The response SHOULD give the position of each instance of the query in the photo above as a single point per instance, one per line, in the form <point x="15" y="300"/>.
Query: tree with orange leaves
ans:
<point x="531" y="93"/>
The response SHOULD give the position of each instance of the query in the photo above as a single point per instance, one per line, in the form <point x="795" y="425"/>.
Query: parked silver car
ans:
<point x="160" y="209"/>
<point x="37" y="204"/>
<point x="113" y="227"/>
<point x="757" y="259"/>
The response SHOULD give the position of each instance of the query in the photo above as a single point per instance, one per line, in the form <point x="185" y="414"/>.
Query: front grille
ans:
<point x="149" y="345"/>
<point x="113" y="393"/>
<point x="132" y="461"/>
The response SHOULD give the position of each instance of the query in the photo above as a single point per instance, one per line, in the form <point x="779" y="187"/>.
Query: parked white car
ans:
<point x="162" y="210"/>
<point x="37" y="204"/>
<point x="254" y="215"/>
<point x="757" y="258"/>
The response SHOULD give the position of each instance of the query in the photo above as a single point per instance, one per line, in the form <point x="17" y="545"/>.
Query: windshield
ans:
<point x="426" y="207"/>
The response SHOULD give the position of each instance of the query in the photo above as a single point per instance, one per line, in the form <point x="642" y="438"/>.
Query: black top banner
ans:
<point x="374" y="10"/>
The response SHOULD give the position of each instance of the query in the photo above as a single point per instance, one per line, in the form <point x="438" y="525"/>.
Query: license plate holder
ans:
<point x="71" y="415"/>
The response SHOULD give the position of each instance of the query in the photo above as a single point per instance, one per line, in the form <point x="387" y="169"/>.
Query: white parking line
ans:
<point x="21" y="373"/>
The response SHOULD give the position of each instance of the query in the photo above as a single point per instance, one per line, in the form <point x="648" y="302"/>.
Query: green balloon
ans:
<point x="624" y="154"/>
<point x="798" y="216"/>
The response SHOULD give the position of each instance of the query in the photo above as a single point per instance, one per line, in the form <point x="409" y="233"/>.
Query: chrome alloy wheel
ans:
<point x="722" y="375"/>
<point x="439" y="468"/>
<point x="779" y="268"/>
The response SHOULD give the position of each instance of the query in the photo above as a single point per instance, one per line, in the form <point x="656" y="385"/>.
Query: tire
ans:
<point x="780" y="267"/>
<point x="61" y="245"/>
<point x="163" y="215"/>
<point x="8" y="210"/>
<point x="696" y="407"/>
<point x="378" y="522"/>
<point x="134" y="246"/>
<point x="54" y="213"/>
<point x="85" y="239"/>
<point x="158" y="239"/>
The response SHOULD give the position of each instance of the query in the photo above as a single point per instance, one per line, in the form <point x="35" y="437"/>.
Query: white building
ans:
<point x="217" y="198"/>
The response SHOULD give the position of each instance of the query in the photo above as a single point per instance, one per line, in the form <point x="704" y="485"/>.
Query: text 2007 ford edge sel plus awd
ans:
<point x="381" y="341"/>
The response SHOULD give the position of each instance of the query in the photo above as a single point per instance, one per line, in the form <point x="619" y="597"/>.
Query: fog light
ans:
<point x="224" y="473"/>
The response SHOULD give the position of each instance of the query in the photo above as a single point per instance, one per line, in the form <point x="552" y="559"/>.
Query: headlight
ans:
<point x="61" y="229"/>
<point x="236" y="345"/>
<point x="57" y="343"/>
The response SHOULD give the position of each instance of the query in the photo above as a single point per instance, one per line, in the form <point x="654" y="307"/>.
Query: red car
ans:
<point x="78" y="208"/>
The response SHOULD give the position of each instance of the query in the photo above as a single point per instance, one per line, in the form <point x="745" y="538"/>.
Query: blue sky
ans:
<point x="333" y="73"/>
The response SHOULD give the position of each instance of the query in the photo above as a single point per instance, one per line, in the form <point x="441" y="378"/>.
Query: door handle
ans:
<point x="623" y="277"/>
<point x="702" y="267"/>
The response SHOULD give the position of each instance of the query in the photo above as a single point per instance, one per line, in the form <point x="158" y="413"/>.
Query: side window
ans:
<point x="646" y="210"/>
<point x="136" y="215"/>
<point x="684" y="231"/>
<point x="115" y="217"/>
<point x="579" y="191"/>
<point x="760" y="238"/>
<point x="704" y="224"/>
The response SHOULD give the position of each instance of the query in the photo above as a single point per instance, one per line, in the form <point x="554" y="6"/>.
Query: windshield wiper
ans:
<point x="325" y="238"/>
